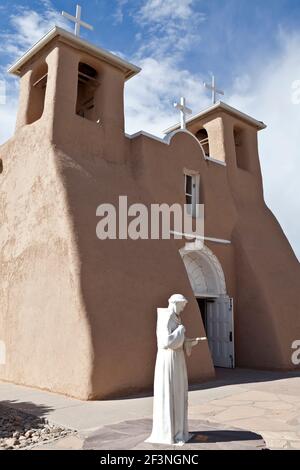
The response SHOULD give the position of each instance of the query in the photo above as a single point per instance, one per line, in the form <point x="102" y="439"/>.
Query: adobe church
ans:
<point x="78" y="314"/>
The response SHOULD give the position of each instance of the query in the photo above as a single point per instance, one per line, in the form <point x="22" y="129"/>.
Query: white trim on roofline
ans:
<point x="130" y="69"/>
<point x="146" y="134"/>
<point x="168" y="138"/>
<point x="214" y="160"/>
<point x="223" y="107"/>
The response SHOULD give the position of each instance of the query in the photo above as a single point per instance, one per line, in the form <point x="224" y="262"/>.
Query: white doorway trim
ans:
<point x="207" y="280"/>
<point x="205" y="272"/>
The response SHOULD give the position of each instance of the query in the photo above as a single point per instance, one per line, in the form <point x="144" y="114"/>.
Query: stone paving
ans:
<point x="270" y="408"/>
<point x="132" y="434"/>
<point x="242" y="402"/>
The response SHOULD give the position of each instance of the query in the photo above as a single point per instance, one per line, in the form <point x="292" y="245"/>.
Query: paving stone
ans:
<point x="133" y="427"/>
<point x="254" y="396"/>
<point x="238" y="412"/>
<point x="66" y="443"/>
<point x="295" y="444"/>
<point x="281" y="435"/>
<point x="274" y="405"/>
<point x="225" y="405"/>
<point x="205" y="436"/>
<point x="290" y="399"/>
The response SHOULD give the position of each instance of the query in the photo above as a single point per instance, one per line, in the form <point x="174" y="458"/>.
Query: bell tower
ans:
<point x="67" y="149"/>
<point x="74" y="91"/>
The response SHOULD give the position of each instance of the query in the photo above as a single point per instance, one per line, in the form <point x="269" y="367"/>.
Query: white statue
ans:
<point x="170" y="408"/>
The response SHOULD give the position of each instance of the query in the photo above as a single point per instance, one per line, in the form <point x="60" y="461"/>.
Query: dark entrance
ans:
<point x="202" y="307"/>
<point x="202" y="303"/>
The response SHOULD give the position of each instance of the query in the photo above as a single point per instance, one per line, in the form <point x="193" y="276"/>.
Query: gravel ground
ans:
<point x="19" y="430"/>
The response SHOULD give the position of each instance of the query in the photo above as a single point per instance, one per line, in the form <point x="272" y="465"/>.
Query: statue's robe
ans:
<point x="170" y="407"/>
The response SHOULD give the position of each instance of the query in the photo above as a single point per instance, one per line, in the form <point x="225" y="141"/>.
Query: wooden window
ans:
<point x="192" y="188"/>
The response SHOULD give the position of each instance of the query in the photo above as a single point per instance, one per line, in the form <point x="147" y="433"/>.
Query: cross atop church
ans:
<point x="213" y="89"/>
<point x="184" y="110"/>
<point x="77" y="20"/>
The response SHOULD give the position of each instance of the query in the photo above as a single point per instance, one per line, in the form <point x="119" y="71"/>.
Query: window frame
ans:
<point x="195" y="194"/>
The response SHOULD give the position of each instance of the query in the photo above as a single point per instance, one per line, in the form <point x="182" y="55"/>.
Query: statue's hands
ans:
<point x="195" y="341"/>
<point x="191" y="342"/>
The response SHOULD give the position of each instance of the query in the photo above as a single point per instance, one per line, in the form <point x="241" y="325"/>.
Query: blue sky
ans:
<point x="253" y="48"/>
<point x="231" y="33"/>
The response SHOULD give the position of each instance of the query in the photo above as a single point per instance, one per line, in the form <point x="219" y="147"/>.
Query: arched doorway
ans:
<point x="207" y="280"/>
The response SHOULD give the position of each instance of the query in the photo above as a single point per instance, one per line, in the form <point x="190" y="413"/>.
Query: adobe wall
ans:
<point x="79" y="315"/>
<point x="268" y="272"/>
<point x="124" y="281"/>
<point x="43" y="322"/>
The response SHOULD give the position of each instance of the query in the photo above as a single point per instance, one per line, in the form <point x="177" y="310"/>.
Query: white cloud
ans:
<point x="28" y="27"/>
<point x="157" y="10"/>
<point x="7" y="118"/>
<point x="119" y="13"/>
<point x="2" y="92"/>
<point x="169" y="26"/>
<point x="149" y="97"/>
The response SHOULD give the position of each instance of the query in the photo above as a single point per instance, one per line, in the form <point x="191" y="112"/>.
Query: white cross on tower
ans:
<point x="183" y="112"/>
<point x="213" y="89"/>
<point x="77" y="20"/>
